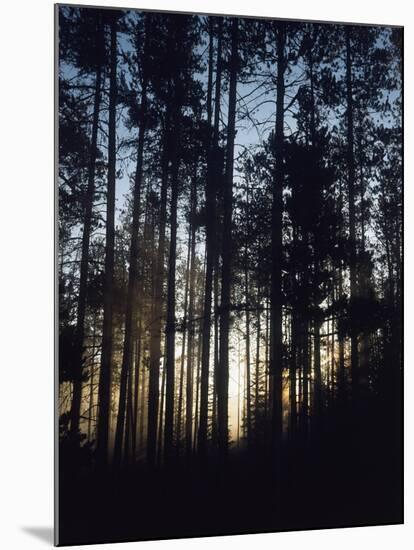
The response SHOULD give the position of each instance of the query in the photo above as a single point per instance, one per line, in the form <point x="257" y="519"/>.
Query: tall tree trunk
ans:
<point x="130" y="314"/>
<point x="170" y="328"/>
<point x="223" y="371"/>
<point x="267" y="367"/>
<point x="176" y="36"/>
<point x="211" y="231"/>
<point x="332" y="344"/>
<point x="305" y="352"/>
<point x="128" y="421"/>
<point x="257" y="376"/>
<point x="191" y="329"/>
<point x="247" y="299"/>
<point x="170" y="323"/>
<point x="363" y="265"/>
<point x="161" y="415"/>
<point x="248" y="377"/>
<point x="341" y="381"/>
<point x="276" y="354"/>
<point x="351" y="201"/>
<point x="218" y="174"/>
<point x="107" y="333"/>
<point x="157" y="307"/>
<point x="92" y="378"/>
<point x="86" y="237"/>
<point x="317" y="399"/>
<point x="292" y="375"/>
<point x="238" y="392"/>
<point x="138" y="346"/>
<point x="186" y="317"/>
<point x="214" y="428"/>
<point x="317" y="368"/>
<point x="197" y="395"/>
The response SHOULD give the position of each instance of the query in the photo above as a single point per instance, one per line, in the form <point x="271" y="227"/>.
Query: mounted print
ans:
<point x="230" y="279"/>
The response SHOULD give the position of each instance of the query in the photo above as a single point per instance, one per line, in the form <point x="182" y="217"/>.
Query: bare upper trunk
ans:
<point x="107" y="333"/>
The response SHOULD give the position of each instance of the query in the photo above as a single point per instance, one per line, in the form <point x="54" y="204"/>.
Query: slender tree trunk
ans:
<point x="130" y="314"/>
<point x="136" y="387"/>
<point x="170" y="323"/>
<point x="351" y="201"/>
<point x="332" y="343"/>
<point x="176" y="37"/>
<point x="267" y="366"/>
<point x="341" y="349"/>
<point x="218" y="174"/>
<point x="184" y="338"/>
<point x="247" y="299"/>
<point x="206" y="330"/>
<point x="364" y="267"/>
<point x="223" y="371"/>
<point x="161" y="419"/>
<point x="305" y="372"/>
<point x="83" y="280"/>
<point x="128" y="421"/>
<point x="211" y="231"/>
<point x="170" y="328"/>
<point x="238" y="393"/>
<point x="157" y="308"/>
<point x="317" y="369"/>
<point x="191" y="330"/>
<point x="292" y="375"/>
<point x="214" y="431"/>
<point x="92" y="379"/>
<point x="276" y="355"/>
<point x="317" y="398"/>
<point x="197" y="400"/>
<point x="257" y="376"/>
<point x="248" y="377"/>
<point x="107" y="333"/>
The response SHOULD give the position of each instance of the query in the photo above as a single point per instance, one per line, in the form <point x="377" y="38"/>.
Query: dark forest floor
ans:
<point x="351" y="476"/>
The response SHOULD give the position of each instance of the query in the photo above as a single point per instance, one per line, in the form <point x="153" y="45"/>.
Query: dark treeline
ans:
<point x="230" y="274"/>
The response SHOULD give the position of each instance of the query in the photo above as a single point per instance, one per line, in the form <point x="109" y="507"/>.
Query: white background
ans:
<point x="26" y="270"/>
